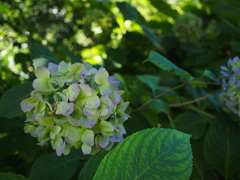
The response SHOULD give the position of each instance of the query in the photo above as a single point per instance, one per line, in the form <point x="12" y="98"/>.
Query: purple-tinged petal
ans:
<point x="116" y="139"/>
<point x="70" y="110"/>
<point x="88" y="112"/>
<point x="102" y="141"/>
<point x="115" y="97"/>
<point x="28" y="104"/>
<point x="109" y="147"/>
<point x="87" y="121"/>
<point x="93" y="71"/>
<point x="62" y="107"/>
<point x="113" y="81"/>
<point x="53" y="68"/>
<point x="103" y="110"/>
<point x="84" y="74"/>
<point x="73" y="91"/>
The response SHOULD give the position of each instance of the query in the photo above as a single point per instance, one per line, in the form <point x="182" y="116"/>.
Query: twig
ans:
<point x="190" y="102"/>
<point x="158" y="96"/>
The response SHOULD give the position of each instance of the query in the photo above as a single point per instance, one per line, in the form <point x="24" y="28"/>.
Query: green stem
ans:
<point x="173" y="89"/>
<point x="201" y="112"/>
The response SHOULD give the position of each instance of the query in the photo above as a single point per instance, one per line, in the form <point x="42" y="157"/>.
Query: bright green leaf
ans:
<point x="149" y="154"/>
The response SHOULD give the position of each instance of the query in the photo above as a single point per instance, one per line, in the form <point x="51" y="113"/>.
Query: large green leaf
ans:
<point x="51" y="166"/>
<point x="191" y="123"/>
<point x="10" y="100"/>
<point x="221" y="146"/>
<point x="166" y="65"/>
<point x="90" y="168"/>
<point x="11" y="176"/>
<point x="151" y="81"/>
<point x="149" y="154"/>
<point x="41" y="55"/>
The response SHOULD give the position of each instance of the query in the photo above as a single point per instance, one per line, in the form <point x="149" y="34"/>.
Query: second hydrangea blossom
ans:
<point x="75" y="105"/>
<point x="230" y="96"/>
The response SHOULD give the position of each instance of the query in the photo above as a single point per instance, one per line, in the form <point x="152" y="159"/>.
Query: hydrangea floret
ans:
<point x="230" y="95"/>
<point x="75" y="105"/>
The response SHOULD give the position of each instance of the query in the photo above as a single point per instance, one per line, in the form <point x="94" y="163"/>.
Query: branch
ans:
<point x="190" y="102"/>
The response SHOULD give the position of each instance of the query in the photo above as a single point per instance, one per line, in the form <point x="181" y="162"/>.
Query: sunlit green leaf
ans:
<point x="150" y="154"/>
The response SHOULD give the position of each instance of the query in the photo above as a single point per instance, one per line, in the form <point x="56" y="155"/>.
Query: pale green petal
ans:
<point x="101" y="76"/>
<point x="42" y="72"/>
<point x="106" y="100"/>
<point x="92" y="102"/>
<point x="85" y="90"/>
<point x="75" y="133"/>
<point x="106" y="126"/>
<point x="76" y="68"/>
<point x="49" y="121"/>
<point x="40" y="107"/>
<point x="41" y="84"/>
<point x="63" y="67"/>
<point x="88" y="137"/>
<point x="86" y="149"/>
<point x="106" y="89"/>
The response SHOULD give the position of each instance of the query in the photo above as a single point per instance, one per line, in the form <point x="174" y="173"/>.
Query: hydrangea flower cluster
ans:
<point x="230" y="95"/>
<point x="188" y="28"/>
<point x="75" y="105"/>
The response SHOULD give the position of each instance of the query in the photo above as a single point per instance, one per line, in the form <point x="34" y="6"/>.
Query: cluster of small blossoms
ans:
<point x="230" y="95"/>
<point x="188" y="28"/>
<point x="75" y="105"/>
